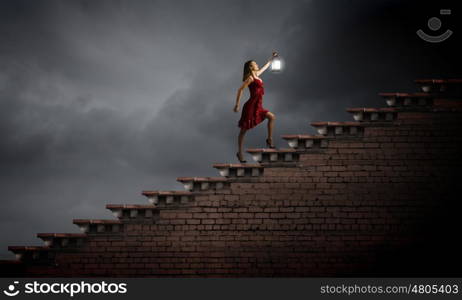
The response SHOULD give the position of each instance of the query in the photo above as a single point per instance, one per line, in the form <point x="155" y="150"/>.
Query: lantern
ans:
<point x="277" y="64"/>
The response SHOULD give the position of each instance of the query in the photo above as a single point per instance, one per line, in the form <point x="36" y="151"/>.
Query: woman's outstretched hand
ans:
<point x="236" y="108"/>
<point x="275" y="54"/>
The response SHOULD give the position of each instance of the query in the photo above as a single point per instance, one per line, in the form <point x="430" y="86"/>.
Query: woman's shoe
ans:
<point x="269" y="145"/>
<point x="242" y="161"/>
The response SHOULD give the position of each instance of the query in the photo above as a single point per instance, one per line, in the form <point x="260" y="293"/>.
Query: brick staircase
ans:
<point x="368" y="197"/>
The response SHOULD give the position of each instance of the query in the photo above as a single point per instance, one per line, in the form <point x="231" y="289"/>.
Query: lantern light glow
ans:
<point x="277" y="64"/>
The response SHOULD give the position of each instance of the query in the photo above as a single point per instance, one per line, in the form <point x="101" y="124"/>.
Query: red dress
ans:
<point x="253" y="112"/>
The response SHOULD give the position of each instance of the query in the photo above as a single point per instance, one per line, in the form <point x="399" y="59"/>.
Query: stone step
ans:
<point x="239" y="170"/>
<point x="34" y="254"/>
<point x="134" y="211"/>
<point x="365" y="114"/>
<point x="99" y="226"/>
<point x="306" y="141"/>
<point x="63" y="240"/>
<point x="422" y="102"/>
<point x="168" y="198"/>
<point x="408" y="99"/>
<point x="270" y="156"/>
<point x="343" y="129"/>
<point x="203" y="183"/>
<point x="447" y="105"/>
<point x="440" y="85"/>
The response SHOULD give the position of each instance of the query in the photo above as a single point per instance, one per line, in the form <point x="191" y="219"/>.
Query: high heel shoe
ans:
<point x="269" y="145"/>
<point x="242" y="161"/>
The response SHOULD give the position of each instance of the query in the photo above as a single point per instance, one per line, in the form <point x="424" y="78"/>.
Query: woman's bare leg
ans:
<point x="240" y="140"/>
<point x="271" y="117"/>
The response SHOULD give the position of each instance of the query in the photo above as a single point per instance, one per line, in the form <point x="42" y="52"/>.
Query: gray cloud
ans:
<point x="100" y="100"/>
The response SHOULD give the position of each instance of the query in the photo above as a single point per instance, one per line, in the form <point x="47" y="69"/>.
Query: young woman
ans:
<point x="253" y="112"/>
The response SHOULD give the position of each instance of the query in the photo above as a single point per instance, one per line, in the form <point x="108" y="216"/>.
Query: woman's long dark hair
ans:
<point x="247" y="70"/>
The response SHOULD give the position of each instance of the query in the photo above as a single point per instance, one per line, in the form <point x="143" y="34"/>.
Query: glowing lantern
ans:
<point x="277" y="64"/>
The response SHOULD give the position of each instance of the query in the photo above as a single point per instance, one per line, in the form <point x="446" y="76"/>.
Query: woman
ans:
<point x="253" y="112"/>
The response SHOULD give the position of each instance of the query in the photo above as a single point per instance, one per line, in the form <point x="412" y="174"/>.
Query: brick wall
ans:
<point x="376" y="197"/>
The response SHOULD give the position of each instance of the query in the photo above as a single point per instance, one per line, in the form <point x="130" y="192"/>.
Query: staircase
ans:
<point x="368" y="197"/>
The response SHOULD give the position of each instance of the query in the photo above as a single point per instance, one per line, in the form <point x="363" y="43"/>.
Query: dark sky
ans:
<point x="100" y="100"/>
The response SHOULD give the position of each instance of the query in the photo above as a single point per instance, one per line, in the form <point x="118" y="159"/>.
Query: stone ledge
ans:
<point x="62" y="235"/>
<point x="129" y="206"/>
<point x="407" y="95"/>
<point x="371" y="109"/>
<point x="250" y="166"/>
<point x="336" y="123"/>
<point x="302" y="136"/>
<point x="162" y="198"/>
<point x="203" y="183"/>
<point x="439" y="81"/>
<point x="95" y="221"/>
<point x="202" y="179"/>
